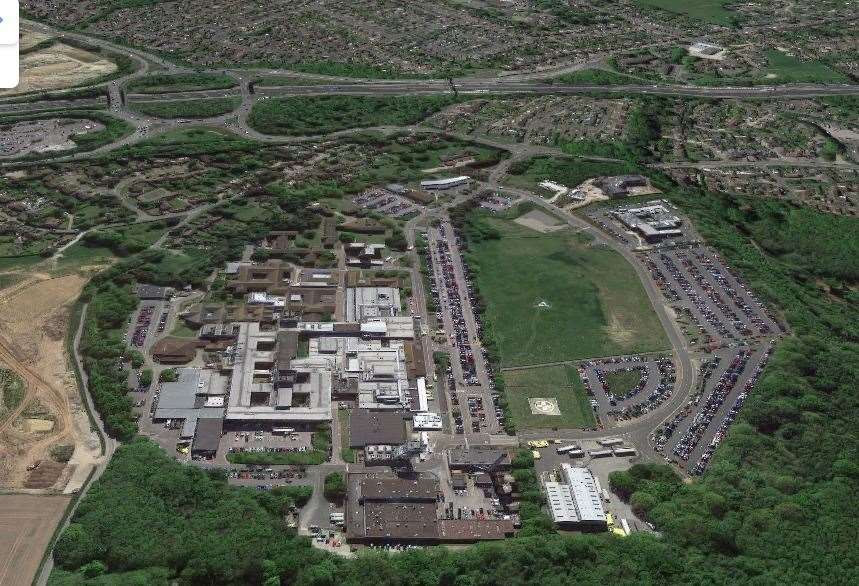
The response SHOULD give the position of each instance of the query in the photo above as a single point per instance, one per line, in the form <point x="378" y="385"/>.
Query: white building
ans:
<point x="442" y="184"/>
<point x="576" y="503"/>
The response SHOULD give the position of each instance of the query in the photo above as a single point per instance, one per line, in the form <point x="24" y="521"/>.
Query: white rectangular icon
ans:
<point x="9" y="47"/>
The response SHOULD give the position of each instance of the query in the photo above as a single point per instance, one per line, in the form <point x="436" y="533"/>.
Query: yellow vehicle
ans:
<point x="610" y="521"/>
<point x="619" y="532"/>
<point x="538" y="444"/>
<point x="536" y="454"/>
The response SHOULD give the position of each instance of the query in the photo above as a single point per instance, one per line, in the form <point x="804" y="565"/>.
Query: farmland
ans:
<point x="27" y="523"/>
<point x="553" y="297"/>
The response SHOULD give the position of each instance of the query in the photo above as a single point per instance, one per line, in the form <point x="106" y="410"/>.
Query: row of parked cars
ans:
<point x="731" y="415"/>
<point x="705" y="415"/>
<point x="141" y="328"/>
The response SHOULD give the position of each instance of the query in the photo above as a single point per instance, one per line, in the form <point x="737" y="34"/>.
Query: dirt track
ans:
<point x="33" y="322"/>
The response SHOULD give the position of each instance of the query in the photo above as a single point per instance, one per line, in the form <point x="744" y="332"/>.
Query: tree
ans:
<point x="335" y="487"/>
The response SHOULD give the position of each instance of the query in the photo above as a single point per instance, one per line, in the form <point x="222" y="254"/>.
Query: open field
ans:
<point x="561" y="383"/>
<point x="621" y="382"/>
<point x="712" y="11"/>
<point x="553" y="297"/>
<point x="788" y="69"/>
<point x="27" y="523"/>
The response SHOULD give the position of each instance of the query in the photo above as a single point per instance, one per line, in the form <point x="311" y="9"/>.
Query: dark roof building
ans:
<point x="376" y="427"/>
<point x="477" y="459"/>
<point x="208" y="437"/>
<point x="175" y="350"/>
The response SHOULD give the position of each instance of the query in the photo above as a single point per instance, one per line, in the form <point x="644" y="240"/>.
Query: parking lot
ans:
<point x="690" y="436"/>
<point x="147" y="322"/>
<point x="468" y="380"/>
<point x="713" y="304"/>
<point x="263" y="441"/>
<point x="385" y="203"/>
<point x="655" y="382"/>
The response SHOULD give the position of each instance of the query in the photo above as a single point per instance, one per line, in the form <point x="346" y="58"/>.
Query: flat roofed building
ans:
<point x="399" y="489"/>
<point x="449" y="183"/>
<point x="382" y="378"/>
<point x="473" y="530"/>
<point x="478" y="459"/>
<point x="186" y="397"/>
<point x="208" y="437"/>
<point x="427" y="422"/>
<point x="576" y="502"/>
<point x="273" y="277"/>
<point x="318" y="278"/>
<point x="376" y="427"/>
<point x="269" y="385"/>
<point x="364" y="303"/>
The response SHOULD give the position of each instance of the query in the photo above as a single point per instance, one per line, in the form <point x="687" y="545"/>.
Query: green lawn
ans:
<point x="558" y="382"/>
<point x="593" y="302"/>
<point x="620" y="383"/>
<point x="713" y="11"/>
<point x="594" y="77"/>
<point x="183" y="331"/>
<point x="789" y="69"/>
<point x="308" y="458"/>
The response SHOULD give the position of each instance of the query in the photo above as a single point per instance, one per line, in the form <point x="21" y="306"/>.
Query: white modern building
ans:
<point x="442" y="184"/>
<point x="575" y="503"/>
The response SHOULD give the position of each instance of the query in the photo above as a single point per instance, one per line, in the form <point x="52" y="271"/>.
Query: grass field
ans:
<point x="553" y="297"/>
<point x="707" y="10"/>
<point x="558" y="382"/>
<point x="620" y="383"/>
<point x="790" y="69"/>
<point x="208" y="108"/>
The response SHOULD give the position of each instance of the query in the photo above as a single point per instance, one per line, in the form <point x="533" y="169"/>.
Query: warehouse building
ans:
<point x="442" y="184"/>
<point x="575" y="503"/>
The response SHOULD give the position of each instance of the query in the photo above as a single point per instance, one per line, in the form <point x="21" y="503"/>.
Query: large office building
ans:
<point x="269" y="384"/>
<point x="575" y="503"/>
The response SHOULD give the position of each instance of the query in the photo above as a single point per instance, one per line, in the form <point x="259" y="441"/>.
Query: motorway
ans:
<point x="517" y="83"/>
